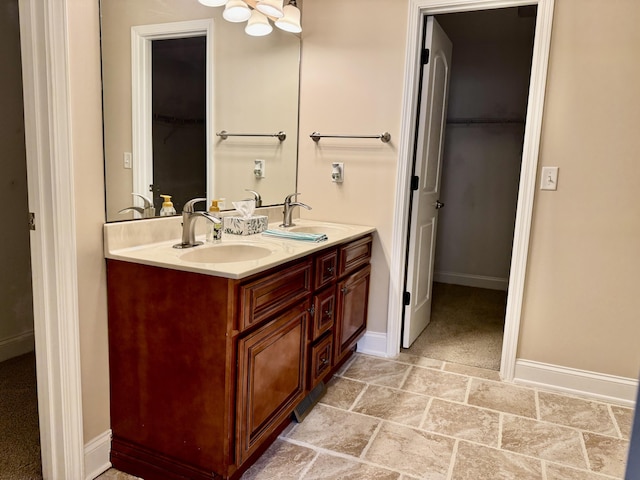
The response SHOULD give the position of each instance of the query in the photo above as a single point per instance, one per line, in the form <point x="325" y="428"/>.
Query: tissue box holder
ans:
<point x="245" y="226"/>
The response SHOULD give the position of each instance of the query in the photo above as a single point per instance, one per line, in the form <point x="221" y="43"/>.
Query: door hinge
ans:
<point x="32" y="221"/>
<point x="406" y="298"/>
<point x="415" y="182"/>
<point x="425" y="56"/>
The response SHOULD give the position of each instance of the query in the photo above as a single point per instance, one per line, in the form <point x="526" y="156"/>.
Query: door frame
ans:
<point x="50" y="181"/>
<point x="524" y="213"/>
<point x="141" y="112"/>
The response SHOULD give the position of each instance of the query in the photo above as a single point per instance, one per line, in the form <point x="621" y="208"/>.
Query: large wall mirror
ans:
<point x="176" y="75"/>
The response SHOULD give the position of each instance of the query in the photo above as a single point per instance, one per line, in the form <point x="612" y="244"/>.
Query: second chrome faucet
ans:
<point x="288" y="209"/>
<point x="189" y="216"/>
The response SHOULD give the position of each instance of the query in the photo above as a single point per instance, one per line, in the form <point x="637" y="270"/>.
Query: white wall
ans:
<point x="481" y="163"/>
<point x="16" y="301"/>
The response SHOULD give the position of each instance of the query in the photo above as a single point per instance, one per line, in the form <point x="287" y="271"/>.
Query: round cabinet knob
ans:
<point x="438" y="204"/>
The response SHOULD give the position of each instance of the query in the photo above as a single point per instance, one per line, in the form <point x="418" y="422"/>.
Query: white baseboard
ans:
<point x="468" y="280"/>
<point x="373" y="343"/>
<point x="17" y="345"/>
<point x="96" y="455"/>
<point x="598" y="386"/>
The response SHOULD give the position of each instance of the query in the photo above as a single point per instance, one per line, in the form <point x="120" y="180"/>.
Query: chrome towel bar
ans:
<point x="384" y="137"/>
<point x="223" y="134"/>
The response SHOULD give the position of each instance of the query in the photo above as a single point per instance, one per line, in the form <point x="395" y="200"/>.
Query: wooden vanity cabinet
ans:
<point x="205" y="371"/>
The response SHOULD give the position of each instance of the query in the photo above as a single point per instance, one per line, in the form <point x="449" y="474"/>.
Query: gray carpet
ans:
<point x="467" y="326"/>
<point x="19" y="433"/>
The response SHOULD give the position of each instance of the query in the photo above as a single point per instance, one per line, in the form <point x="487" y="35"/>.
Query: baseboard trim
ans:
<point x="468" y="280"/>
<point x="583" y="383"/>
<point x="17" y="345"/>
<point x="373" y="343"/>
<point x="97" y="455"/>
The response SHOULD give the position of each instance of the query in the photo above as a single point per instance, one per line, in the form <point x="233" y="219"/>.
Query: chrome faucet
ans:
<point x="148" y="211"/>
<point x="189" y="216"/>
<point x="256" y="196"/>
<point x="288" y="209"/>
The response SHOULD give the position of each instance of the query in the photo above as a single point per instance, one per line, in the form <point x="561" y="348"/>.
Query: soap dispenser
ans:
<point x="167" y="207"/>
<point x="214" y="230"/>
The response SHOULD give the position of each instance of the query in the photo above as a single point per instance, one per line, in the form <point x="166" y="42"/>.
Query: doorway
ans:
<point x="535" y="103"/>
<point x="182" y="130"/>
<point x="179" y="131"/>
<point x="478" y="189"/>
<point x="19" y="430"/>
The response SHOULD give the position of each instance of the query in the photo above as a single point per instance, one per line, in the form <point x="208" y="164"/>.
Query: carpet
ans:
<point x="19" y="432"/>
<point x="467" y="326"/>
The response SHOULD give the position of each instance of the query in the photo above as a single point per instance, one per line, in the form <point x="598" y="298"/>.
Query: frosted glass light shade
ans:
<point x="272" y="8"/>
<point x="213" y="3"/>
<point x="258" y="25"/>
<point x="291" y="20"/>
<point x="236" y="11"/>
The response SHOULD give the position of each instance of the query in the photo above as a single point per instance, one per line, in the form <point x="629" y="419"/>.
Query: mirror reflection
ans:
<point x="176" y="75"/>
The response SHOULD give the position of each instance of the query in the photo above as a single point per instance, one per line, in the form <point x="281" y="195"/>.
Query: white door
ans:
<point x="425" y="203"/>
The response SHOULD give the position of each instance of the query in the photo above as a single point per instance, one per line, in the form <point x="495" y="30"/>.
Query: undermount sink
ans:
<point x="317" y="229"/>
<point x="225" y="253"/>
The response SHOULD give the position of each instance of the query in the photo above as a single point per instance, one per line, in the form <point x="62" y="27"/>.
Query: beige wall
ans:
<point x="579" y="306"/>
<point x="581" y="293"/>
<point x="86" y="132"/>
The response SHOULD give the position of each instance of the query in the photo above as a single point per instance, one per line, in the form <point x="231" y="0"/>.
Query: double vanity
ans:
<point x="212" y="348"/>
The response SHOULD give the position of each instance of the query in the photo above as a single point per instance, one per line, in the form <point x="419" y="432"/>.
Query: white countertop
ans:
<point x="132" y="242"/>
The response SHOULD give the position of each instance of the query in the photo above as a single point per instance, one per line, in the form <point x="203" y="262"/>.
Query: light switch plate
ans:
<point x="549" y="178"/>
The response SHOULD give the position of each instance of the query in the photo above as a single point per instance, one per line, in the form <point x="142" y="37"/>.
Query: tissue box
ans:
<point x="245" y="226"/>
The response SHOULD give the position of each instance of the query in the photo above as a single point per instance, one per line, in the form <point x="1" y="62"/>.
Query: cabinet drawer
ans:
<point x="354" y="255"/>
<point x="321" y="355"/>
<point x="326" y="270"/>
<point x="268" y="295"/>
<point x="324" y="307"/>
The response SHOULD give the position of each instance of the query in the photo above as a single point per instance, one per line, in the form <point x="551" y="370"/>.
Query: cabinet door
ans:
<point x="271" y="376"/>
<point x="351" y="321"/>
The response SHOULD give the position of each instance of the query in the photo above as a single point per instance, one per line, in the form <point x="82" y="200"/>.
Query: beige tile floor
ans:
<point x="416" y="418"/>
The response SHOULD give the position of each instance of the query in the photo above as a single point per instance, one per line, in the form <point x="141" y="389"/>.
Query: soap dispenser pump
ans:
<point x="214" y="230"/>
<point x="167" y="207"/>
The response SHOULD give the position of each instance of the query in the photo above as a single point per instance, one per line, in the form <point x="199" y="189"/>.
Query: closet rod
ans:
<point x="223" y="134"/>
<point x="384" y="137"/>
<point x="177" y="120"/>
<point x="464" y="121"/>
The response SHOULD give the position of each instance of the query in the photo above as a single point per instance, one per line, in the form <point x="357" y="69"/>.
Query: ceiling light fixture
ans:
<point x="272" y="8"/>
<point x="236" y="11"/>
<point x="286" y="17"/>
<point x="258" y="25"/>
<point x="213" y="3"/>
<point x="290" y="22"/>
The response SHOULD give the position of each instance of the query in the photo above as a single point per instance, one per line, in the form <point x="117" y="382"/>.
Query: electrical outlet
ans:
<point x="337" y="172"/>
<point x="127" y="160"/>
<point x="549" y="178"/>
<point x="259" y="168"/>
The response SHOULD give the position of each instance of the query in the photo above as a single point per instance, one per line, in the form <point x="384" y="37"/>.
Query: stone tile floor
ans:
<point x="417" y="418"/>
